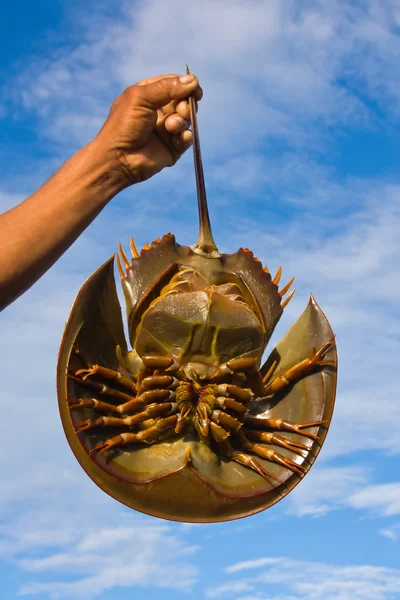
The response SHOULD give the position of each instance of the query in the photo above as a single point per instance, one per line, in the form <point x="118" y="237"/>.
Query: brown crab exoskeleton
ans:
<point x="188" y="425"/>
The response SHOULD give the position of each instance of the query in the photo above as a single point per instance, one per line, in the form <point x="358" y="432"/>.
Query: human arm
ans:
<point x="146" y="130"/>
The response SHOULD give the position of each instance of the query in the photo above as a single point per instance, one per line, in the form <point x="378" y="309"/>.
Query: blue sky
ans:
<point x="300" y="133"/>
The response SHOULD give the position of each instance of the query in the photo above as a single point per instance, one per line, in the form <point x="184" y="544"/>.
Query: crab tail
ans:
<point x="205" y="244"/>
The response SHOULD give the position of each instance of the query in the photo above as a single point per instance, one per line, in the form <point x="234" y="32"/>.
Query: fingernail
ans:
<point x="187" y="78"/>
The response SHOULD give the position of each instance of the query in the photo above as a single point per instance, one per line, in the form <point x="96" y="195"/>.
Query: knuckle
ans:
<point x="131" y="94"/>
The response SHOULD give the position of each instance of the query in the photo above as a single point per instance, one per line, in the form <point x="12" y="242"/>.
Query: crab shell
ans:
<point x="182" y="478"/>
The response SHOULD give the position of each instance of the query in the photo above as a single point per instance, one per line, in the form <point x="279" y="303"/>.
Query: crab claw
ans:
<point x="85" y="373"/>
<point x="203" y="420"/>
<point x="249" y="461"/>
<point x="80" y="402"/>
<point x="183" y="416"/>
<point x="87" y="424"/>
<point x="316" y="356"/>
<point x="295" y="447"/>
<point x="107" y="444"/>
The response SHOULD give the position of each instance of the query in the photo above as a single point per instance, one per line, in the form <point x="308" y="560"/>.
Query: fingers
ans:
<point x="161" y="92"/>
<point x="177" y="121"/>
<point x="182" y="141"/>
<point x="175" y="134"/>
<point x="175" y="124"/>
<point x="182" y="107"/>
<point x="198" y="93"/>
<point x="177" y="115"/>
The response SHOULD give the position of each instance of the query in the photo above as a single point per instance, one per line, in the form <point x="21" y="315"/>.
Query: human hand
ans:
<point x="148" y="127"/>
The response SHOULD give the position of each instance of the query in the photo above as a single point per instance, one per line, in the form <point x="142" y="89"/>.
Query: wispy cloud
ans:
<point x="392" y="532"/>
<point x="307" y="580"/>
<point x="253" y="564"/>
<point x="143" y="555"/>
<point x="325" y="489"/>
<point x="73" y="541"/>
<point x="383" y="498"/>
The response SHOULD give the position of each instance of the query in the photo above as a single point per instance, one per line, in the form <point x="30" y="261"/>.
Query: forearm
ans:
<point x="34" y="234"/>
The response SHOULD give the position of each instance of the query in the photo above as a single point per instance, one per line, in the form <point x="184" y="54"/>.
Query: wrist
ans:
<point x="117" y="171"/>
<point x="103" y="170"/>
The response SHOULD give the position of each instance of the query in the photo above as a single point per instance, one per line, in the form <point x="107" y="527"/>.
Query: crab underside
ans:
<point x="236" y="442"/>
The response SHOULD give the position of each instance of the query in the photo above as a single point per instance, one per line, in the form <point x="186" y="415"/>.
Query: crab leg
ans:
<point x="277" y="440"/>
<point x="149" y="363"/>
<point x="227" y="421"/>
<point x="154" y="410"/>
<point x="214" y="402"/>
<point x="157" y="362"/>
<point x="159" y="381"/>
<point x="106" y="373"/>
<point x="248" y="366"/>
<point x="233" y="405"/>
<point x="95" y="369"/>
<point x="133" y="404"/>
<point x="100" y="406"/>
<point x="220" y="436"/>
<point x="249" y="461"/>
<point x="147" y="435"/>
<point x="271" y="455"/>
<point x="282" y="425"/>
<point x="299" y="370"/>
<point x="102" y="389"/>
<point x="227" y="389"/>
<point x="151" y="384"/>
<point x="218" y="433"/>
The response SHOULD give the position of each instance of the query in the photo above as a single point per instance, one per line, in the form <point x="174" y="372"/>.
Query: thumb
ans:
<point x="161" y="92"/>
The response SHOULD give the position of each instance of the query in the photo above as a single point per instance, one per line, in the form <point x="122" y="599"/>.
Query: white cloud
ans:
<point x="161" y="563"/>
<point x="73" y="541"/>
<point x="104" y="558"/>
<point x="229" y="589"/>
<point x="252" y="564"/>
<point x="324" y="490"/>
<point x="263" y="597"/>
<point x="383" y="498"/>
<point x="392" y="532"/>
<point x="307" y="580"/>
